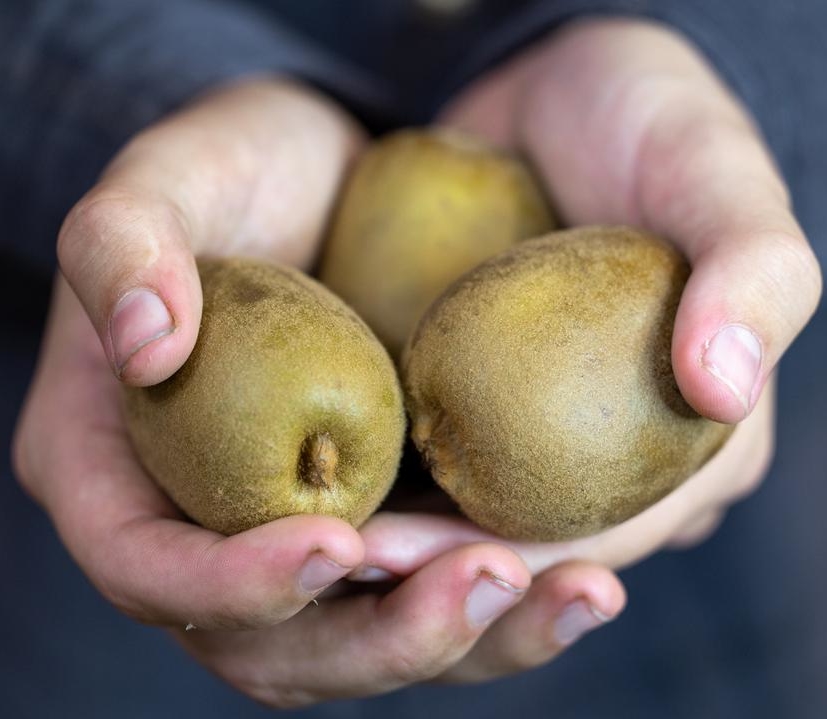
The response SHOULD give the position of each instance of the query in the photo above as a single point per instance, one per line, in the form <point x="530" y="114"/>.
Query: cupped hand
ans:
<point x="252" y="168"/>
<point x="627" y="124"/>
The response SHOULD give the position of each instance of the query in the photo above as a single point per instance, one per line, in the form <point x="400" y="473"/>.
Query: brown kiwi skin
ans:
<point x="287" y="405"/>
<point x="540" y="385"/>
<point x="421" y="207"/>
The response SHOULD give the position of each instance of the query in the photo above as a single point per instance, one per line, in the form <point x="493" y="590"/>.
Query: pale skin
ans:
<point x="253" y="168"/>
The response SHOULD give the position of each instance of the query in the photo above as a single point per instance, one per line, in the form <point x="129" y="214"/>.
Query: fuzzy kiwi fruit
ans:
<point x="287" y="405"/>
<point x="421" y="208"/>
<point x="540" y="385"/>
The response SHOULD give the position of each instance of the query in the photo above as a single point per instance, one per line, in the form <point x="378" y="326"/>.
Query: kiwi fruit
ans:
<point x="420" y="208"/>
<point x="540" y="385"/>
<point x="287" y="405"/>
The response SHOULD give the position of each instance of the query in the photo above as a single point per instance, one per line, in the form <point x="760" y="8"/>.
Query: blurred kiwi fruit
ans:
<point x="540" y="385"/>
<point x="421" y="207"/>
<point x="287" y="405"/>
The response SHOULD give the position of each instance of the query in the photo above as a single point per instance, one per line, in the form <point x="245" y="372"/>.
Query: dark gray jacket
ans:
<point x="80" y="76"/>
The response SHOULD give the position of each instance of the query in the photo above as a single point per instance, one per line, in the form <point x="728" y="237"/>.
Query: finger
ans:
<point x="251" y="169"/>
<point x="159" y="569"/>
<point x="164" y="571"/>
<point x="670" y="149"/>
<point x="490" y="106"/>
<point x="563" y="604"/>
<point x="128" y="256"/>
<point x="126" y="534"/>
<point x="708" y="183"/>
<point x="369" y="644"/>
<point x="398" y="544"/>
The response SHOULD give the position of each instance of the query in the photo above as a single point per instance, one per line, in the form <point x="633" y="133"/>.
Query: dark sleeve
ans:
<point x="79" y="77"/>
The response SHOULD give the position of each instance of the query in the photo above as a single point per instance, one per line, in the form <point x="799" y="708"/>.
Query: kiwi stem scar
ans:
<point x="318" y="460"/>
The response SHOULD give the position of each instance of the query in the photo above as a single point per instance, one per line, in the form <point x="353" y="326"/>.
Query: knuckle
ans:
<point x="112" y="227"/>
<point x="409" y="667"/>
<point x="245" y="613"/>
<point x="802" y="265"/>
<point x="524" y="658"/>
<point x="419" y="658"/>
<point x="252" y="604"/>
<point x="118" y="593"/>
<point x="102" y="560"/>
<point x="234" y="612"/>
<point x="123" y="604"/>
<point x="266" y="683"/>
<point x="86" y="224"/>
<point x="789" y="272"/>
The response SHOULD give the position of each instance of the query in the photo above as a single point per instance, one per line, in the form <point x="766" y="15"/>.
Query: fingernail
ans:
<point x="489" y="597"/>
<point x="575" y="620"/>
<point x="319" y="572"/>
<point x="733" y="357"/>
<point x="140" y="317"/>
<point x="370" y="574"/>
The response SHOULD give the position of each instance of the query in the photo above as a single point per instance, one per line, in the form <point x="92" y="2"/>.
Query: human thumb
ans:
<point x="670" y="149"/>
<point x="250" y="169"/>
<point x="127" y="255"/>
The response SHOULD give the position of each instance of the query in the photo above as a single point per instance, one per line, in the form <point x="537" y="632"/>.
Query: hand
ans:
<point x="74" y="456"/>
<point x="626" y="123"/>
<point x="253" y="169"/>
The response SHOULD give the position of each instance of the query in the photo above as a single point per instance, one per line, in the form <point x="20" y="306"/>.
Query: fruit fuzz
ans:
<point x="540" y="385"/>
<point x="287" y="405"/>
<point x="421" y="208"/>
